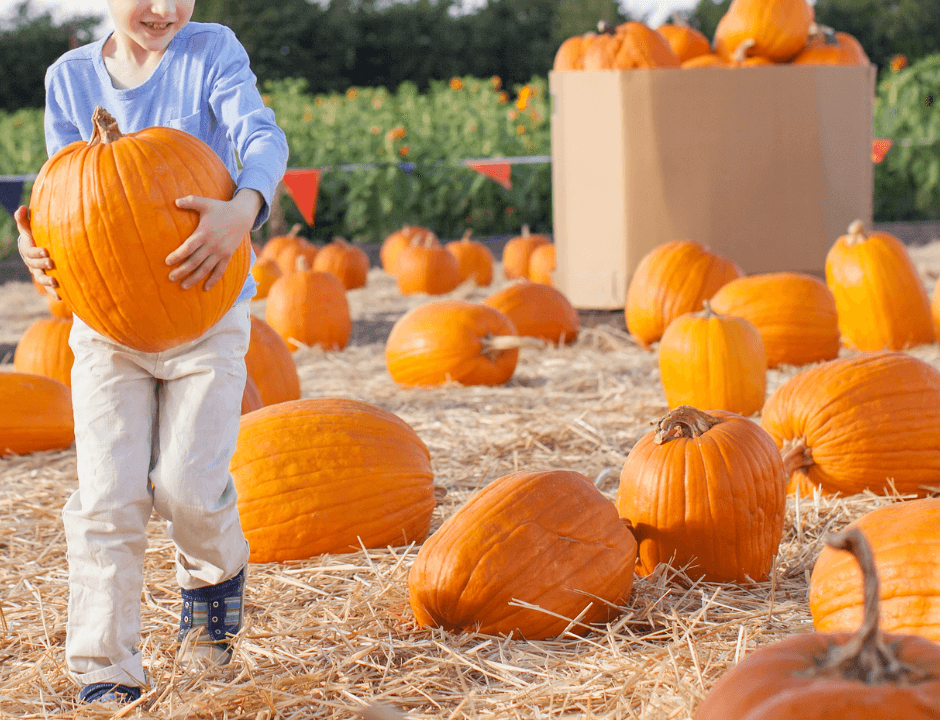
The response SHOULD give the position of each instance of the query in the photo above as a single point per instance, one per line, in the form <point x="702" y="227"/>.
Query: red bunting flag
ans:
<point x="879" y="148"/>
<point x="498" y="171"/>
<point x="302" y="186"/>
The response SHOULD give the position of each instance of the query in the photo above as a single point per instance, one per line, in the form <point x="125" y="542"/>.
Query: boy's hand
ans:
<point x="36" y="258"/>
<point x="222" y="227"/>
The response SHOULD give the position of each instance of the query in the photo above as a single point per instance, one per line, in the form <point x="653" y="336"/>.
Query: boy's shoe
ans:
<point x="109" y="694"/>
<point x="210" y="619"/>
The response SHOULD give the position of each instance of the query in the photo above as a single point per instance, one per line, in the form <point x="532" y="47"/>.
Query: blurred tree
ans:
<point x="30" y="43"/>
<point x="576" y="17"/>
<point x="706" y="15"/>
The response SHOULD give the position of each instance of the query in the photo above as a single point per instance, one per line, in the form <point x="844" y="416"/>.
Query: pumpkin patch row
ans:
<point x="750" y="33"/>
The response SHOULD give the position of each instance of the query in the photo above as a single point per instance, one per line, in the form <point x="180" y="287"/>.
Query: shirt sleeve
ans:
<point x="59" y="128"/>
<point x="237" y="104"/>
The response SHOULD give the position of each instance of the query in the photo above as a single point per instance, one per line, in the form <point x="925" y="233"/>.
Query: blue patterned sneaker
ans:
<point x="109" y="694"/>
<point x="211" y="617"/>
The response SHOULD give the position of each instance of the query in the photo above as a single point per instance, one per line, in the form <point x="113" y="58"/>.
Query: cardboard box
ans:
<point x="766" y="165"/>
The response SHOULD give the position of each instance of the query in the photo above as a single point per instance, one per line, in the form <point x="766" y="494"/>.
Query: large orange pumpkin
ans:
<point x="794" y="313"/>
<point x="538" y="311"/>
<point x="270" y="364"/>
<point x="329" y="475"/>
<point x="671" y="280"/>
<point x="251" y="398"/>
<point x="35" y="414"/>
<point x="452" y="340"/>
<point x="43" y="349"/>
<point x="881" y="301"/>
<point x="705" y="489"/>
<point x="309" y="307"/>
<point x="859" y="423"/>
<point x="713" y="361"/>
<point x="905" y="540"/>
<point x="779" y="28"/>
<point x="867" y="675"/>
<point x="548" y="539"/>
<point x="109" y="247"/>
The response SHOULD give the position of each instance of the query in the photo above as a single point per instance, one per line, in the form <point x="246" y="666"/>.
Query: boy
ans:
<point x="156" y="431"/>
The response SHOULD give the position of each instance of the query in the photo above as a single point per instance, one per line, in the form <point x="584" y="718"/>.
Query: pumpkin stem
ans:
<point x="796" y="455"/>
<point x="857" y="233"/>
<point x="740" y="52"/>
<point x="294" y="230"/>
<point x="466" y="235"/>
<point x="707" y="311"/>
<point x="866" y="657"/>
<point x="684" y="421"/>
<point x="678" y="20"/>
<point x="605" y="27"/>
<point x="105" y="128"/>
<point x="301" y="264"/>
<point x="493" y="345"/>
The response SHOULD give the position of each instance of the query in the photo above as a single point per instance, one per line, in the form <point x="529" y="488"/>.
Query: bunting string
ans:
<point x="303" y="184"/>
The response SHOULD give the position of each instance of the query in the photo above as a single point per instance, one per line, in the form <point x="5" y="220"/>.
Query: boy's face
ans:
<point x="151" y="24"/>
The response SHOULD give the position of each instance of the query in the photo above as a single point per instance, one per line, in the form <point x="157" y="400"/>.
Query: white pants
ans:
<point x="153" y="431"/>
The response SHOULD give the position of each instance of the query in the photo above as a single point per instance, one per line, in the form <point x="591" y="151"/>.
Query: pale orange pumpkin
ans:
<point x="542" y="263"/>
<point x="538" y="311"/>
<point x="43" y="349"/>
<point x="348" y="262"/>
<point x="632" y="45"/>
<point x="286" y="257"/>
<point x="474" y="259"/>
<point x="864" y="422"/>
<point x="309" y="307"/>
<point x="905" y="541"/>
<point x="881" y="301"/>
<point x="794" y="313"/>
<point x="270" y="364"/>
<point x="397" y="241"/>
<point x="518" y="250"/>
<point x="265" y="271"/>
<point x="35" y="414"/>
<point x="685" y="40"/>
<point x="549" y="539"/>
<point x="452" y="341"/>
<point x="423" y="266"/>
<point x="570" y="54"/>
<point x="829" y="47"/>
<point x="275" y="244"/>
<point x="779" y="28"/>
<point x="705" y="488"/>
<point x="670" y="280"/>
<point x="712" y="361"/>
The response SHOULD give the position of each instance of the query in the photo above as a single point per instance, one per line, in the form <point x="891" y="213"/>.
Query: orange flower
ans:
<point x="898" y="63"/>
<point x="511" y="114"/>
<point x="319" y="101"/>
<point x="496" y="82"/>
<point x="377" y="102"/>
<point x="510" y="210"/>
<point x="520" y="129"/>
<point x="504" y="97"/>
<point x="396" y="133"/>
<point x="376" y="129"/>
<point x="523" y="100"/>
<point x="403" y="151"/>
<point x="456" y="84"/>
<point x="352" y="94"/>
<point x="308" y="113"/>
<point x="266" y="99"/>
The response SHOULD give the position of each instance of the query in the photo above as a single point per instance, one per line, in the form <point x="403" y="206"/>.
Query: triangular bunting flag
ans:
<point x="11" y="194"/>
<point x="303" y="186"/>
<point x="879" y="148"/>
<point x="498" y="171"/>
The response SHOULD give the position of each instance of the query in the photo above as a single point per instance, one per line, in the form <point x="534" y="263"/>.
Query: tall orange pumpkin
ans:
<point x="35" y="414"/>
<point x="905" y="540"/>
<point x="859" y="423"/>
<point x="671" y="280"/>
<point x="546" y="538"/>
<point x="452" y="340"/>
<point x="712" y="361"/>
<point x="43" y="349"/>
<point x="865" y="675"/>
<point x="881" y="301"/>
<point x="705" y="488"/>
<point x="794" y="313"/>
<point x="779" y="28"/>
<point x="330" y="475"/>
<point x="309" y="307"/>
<point x="109" y="248"/>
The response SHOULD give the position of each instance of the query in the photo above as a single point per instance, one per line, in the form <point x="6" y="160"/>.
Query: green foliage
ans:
<point x="706" y="15"/>
<point x="907" y="181"/>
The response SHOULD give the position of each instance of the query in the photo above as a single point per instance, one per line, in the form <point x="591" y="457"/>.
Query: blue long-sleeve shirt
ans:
<point x="203" y="85"/>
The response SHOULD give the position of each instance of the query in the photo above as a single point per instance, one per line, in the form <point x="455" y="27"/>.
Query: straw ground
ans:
<point x="333" y="636"/>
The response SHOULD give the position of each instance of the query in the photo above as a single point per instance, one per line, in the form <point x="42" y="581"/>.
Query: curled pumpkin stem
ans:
<point x="105" y="128"/>
<point x="493" y="345"/>
<point x="684" y="421"/>
<point x="740" y="52"/>
<point x="796" y="455"/>
<point x="866" y="657"/>
<point x="856" y="233"/>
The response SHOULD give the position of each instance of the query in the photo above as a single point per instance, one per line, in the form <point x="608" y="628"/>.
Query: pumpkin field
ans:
<point x="335" y="635"/>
